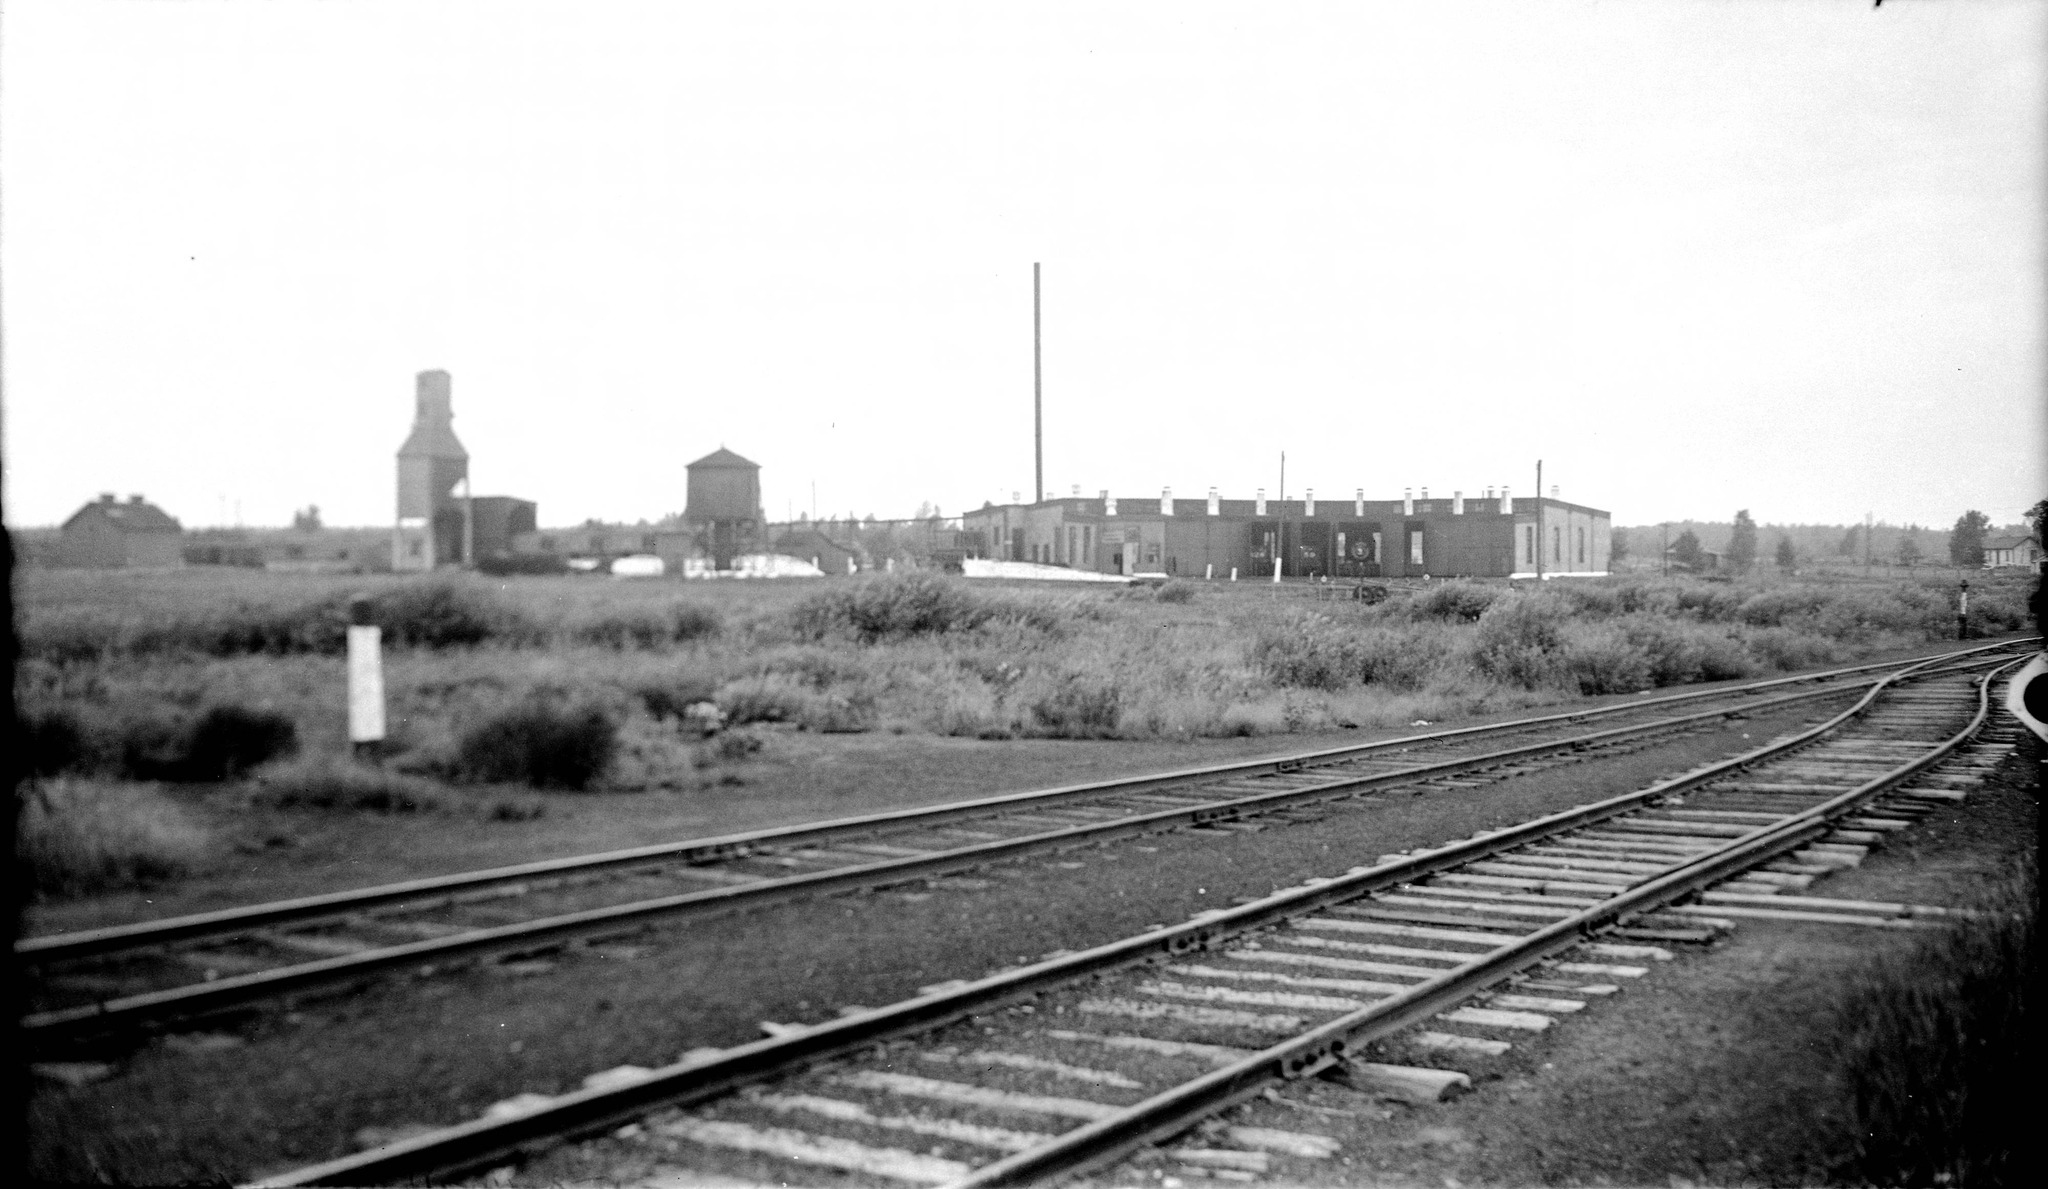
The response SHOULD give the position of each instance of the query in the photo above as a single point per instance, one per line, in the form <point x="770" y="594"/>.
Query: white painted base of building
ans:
<point x="1549" y="574"/>
<point x="981" y="567"/>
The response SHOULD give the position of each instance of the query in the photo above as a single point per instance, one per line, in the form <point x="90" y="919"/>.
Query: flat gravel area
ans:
<point x="292" y="1089"/>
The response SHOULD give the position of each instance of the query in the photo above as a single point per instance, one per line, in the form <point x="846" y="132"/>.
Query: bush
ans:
<point x="766" y="697"/>
<point x="50" y="743"/>
<point x="1605" y="661"/>
<point x="77" y="837"/>
<point x="504" y="564"/>
<point x="901" y="606"/>
<point x="542" y="743"/>
<point x="1175" y="591"/>
<point x="1520" y="641"/>
<point x="668" y="699"/>
<point x="1457" y="602"/>
<point x="344" y="784"/>
<point x="221" y="744"/>
<point x="649" y="627"/>
<point x="441" y="615"/>
<point x="1078" y="708"/>
<point x="1310" y="653"/>
<point x="1935" y="1046"/>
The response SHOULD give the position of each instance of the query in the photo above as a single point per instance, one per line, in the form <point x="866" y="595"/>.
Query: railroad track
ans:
<point x="1081" y="1061"/>
<point x="124" y="978"/>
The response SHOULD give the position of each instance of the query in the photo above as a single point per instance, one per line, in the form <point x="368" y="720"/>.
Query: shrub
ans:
<point x="1458" y="602"/>
<point x="344" y="784"/>
<point x="647" y="627"/>
<point x="220" y="744"/>
<point x="765" y="697"/>
<point x="50" y="743"/>
<point x="1933" y="1042"/>
<point x="900" y="606"/>
<point x="668" y="699"/>
<point x="503" y="564"/>
<point x="1519" y="642"/>
<point x="1175" y="591"/>
<point x="1784" y="649"/>
<point x="1310" y="653"/>
<point x="79" y="837"/>
<point x="1078" y="708"/>
<point x="1604" y="660"/>
<point x="1402" y="659"/>
<point x="440" y="615"/>
<point x="229" y="740"/>
<point x="541" y="743"/>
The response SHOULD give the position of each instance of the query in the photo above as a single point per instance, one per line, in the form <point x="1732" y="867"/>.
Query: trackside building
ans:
<point x="1493" y="536"/>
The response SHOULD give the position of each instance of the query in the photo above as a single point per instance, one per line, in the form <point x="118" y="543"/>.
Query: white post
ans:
<point x="1209" y="572"/>
<point x="1276" y="570"/>
<point x="365" y="679"/>
<point x="889" y="565"/>
<point x="1233" y="573"/>
<point x="850" y="568"/>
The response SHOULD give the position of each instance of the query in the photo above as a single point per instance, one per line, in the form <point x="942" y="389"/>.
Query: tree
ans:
<point x="307" y="519"/>
<point x="1787" y="556"/>
<point x="2037" y="520"/>
<point x="1966" y="540"/>
<point x="1852" y="542"/>
<point x="1617" y="545"/>
<point x="1742" y="545"/>
<point x="1686" y="550"/>
<point x="1909" y="549"/>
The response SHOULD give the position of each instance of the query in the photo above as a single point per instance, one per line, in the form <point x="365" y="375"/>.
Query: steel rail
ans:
<point x="52" y="1026"/>
<point x="482" y="1143"/>
<point x="437" y="890"/>
<point x="1106" y="1140"/>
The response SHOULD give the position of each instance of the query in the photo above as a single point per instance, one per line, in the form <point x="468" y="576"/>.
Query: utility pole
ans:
<point x="1037" y="394"/>
<point x="1867" y="516"/>
<point x="1666" y="555"/>
<point x="1280" y="545"/>
<point x="1539" y="521"/>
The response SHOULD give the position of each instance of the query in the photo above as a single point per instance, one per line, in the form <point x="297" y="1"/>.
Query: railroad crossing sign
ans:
<point x="2026" y="695"/>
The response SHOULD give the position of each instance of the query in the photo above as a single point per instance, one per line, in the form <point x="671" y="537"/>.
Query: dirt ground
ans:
<point x="1705" y="1071"/>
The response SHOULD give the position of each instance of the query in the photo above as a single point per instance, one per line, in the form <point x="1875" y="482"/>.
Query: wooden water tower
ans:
<point x="725" y="505"/>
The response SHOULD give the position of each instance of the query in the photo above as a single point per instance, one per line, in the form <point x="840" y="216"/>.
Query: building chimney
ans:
<point x="1077" y="491"/>
<point x="1553" y="491"/>
<point x="1507" y="502"/>
<point x="1407" y="501"/>
<point x="1309" y="496"/>
<point x="1425" y="493"/>
<point x="1016" y="497"/>
<point x="1457" y="503"/>
<point x="1215" y="503"/>
<point x="1358" y="505"/>
<point x="106" y="497"/>
<point x="1108" y="503"/>
<point x="1166" y="501"/>
<point x="1260" y="510"/>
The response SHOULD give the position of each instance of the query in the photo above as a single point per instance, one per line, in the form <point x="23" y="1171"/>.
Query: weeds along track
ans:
<point x="1129" y="1052"/>
<point x="128" y="977"/>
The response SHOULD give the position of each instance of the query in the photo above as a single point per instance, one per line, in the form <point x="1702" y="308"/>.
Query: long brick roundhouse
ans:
<point x="1489" y="536"/>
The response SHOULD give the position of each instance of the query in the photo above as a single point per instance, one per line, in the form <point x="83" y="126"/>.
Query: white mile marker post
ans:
<point x="365" y="680"/>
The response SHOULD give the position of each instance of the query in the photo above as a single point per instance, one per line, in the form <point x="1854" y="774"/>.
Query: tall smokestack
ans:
<point x="1037" y="395"/>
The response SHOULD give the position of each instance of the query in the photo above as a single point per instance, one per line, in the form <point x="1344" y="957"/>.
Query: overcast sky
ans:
<point x="1696" y="257"/>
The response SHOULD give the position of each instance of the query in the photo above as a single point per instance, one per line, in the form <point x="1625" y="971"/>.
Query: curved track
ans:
<point x="1077" y="1062"/>
<point x="139" y="975"/>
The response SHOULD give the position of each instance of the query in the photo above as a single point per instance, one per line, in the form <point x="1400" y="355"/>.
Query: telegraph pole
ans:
<point x="1539" y="521"/>
<point x="1280" y="546"/>
<point x="1037" y="395"/>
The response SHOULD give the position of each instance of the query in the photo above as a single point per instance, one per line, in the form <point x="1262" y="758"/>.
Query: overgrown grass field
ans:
<point x="590" y="683"/>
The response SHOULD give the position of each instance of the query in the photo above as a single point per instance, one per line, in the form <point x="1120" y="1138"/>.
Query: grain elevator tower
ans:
<point x="435" y="526"/>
